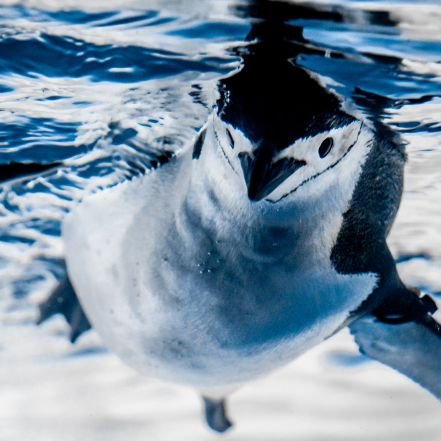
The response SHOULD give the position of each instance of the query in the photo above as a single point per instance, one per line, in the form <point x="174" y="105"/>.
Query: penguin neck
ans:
<point x="264" y="231"/>
<point x="214" y="189"/>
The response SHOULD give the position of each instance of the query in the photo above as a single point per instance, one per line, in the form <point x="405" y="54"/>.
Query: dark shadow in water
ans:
<point x="16" y="170"/>
<point x="289" y="92"/>
<point x="373" y="81"/>
<point x="272" y="99"/>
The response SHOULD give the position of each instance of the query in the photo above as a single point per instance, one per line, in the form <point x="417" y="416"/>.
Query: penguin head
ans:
<point x="282" y="133"/>
<point x="307" y="165"/>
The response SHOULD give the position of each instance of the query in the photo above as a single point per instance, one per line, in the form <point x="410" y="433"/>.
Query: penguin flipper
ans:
<point x="412" y="347"/>
<point x="64" y="301"/>
<point x="215" y="415"/>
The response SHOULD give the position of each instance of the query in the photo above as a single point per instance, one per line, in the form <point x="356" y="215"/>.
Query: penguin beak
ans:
<point x="262" y="176"/>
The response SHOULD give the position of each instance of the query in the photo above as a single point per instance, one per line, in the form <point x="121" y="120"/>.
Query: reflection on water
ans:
<point x="100" y="92"/>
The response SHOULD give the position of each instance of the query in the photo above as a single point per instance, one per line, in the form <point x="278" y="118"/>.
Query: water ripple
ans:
<point x="57" y="56"/>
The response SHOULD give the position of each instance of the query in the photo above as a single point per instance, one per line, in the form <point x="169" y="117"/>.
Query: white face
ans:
<point x="323" y="157"/>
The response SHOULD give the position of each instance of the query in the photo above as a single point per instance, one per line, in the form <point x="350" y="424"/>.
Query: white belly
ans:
<point x="202" y="324"/>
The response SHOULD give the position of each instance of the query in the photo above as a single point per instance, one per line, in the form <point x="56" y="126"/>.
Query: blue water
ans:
<point x="90" y="97"/>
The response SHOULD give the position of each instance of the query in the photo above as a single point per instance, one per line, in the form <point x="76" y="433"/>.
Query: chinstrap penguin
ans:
<point x="258" y="241"/>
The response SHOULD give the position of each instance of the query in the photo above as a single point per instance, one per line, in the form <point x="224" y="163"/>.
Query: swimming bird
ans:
<point x="261" y="239"/>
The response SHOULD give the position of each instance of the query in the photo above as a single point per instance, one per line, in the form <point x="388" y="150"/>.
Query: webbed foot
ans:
<point x="407" y="339"/>
<point x="63" y="300"/>
<point x="215" y="415"/>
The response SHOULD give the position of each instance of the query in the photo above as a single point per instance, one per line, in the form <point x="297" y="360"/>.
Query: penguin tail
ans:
<point x="64" y="301"/>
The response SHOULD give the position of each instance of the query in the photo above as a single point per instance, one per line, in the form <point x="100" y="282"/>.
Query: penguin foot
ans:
<point x="411" y="307"/>
<point x="412" y="348"/>
<point x="64" y="301"/>
<point x="215" y="415"/>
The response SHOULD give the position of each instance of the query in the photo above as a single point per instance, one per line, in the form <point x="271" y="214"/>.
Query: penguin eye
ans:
<point x="231" y="139"/>
<point x="325" y="147"/>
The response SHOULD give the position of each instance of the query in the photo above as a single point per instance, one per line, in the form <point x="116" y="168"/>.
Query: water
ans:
<point x="101" y="91"/>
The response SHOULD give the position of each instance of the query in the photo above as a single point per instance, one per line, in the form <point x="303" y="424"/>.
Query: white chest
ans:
<point x="186" y="304"/>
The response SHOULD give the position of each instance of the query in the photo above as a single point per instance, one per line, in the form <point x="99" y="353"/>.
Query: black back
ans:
<point x="271" y="99"/>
